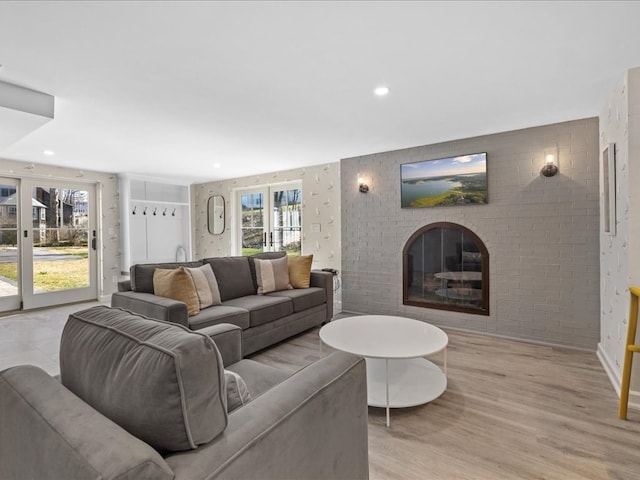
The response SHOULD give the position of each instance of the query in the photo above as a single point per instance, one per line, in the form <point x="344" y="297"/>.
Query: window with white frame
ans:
<point x="270" y="219"/>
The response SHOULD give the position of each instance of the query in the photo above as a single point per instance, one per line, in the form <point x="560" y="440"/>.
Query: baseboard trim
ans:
<point x="104" y="298"/>
<point x="489" y="334"/>
<point x="614" y="377"/>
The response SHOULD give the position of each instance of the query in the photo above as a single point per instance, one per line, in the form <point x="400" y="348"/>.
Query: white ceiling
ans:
<point x="168" y="89"/>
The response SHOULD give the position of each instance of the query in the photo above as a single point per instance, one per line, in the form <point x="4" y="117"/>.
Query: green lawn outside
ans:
<point x="53" y="275"/>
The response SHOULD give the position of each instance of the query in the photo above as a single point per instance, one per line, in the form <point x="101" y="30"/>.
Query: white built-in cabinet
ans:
<point x="155" y="222"/>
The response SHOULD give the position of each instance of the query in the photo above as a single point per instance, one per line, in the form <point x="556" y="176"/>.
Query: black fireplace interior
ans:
<point x="446" y="266"/>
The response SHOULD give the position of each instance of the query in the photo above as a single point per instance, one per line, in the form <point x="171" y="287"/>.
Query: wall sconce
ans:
<point x="362" y="185"/>
<point x="550" y="168"/>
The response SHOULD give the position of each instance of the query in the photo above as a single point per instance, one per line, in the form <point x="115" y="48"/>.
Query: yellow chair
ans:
<point x="629" y="349"/>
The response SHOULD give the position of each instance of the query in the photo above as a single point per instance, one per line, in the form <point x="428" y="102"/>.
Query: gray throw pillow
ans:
<point x="237" y="391"/>
<point x="206" y="285"/>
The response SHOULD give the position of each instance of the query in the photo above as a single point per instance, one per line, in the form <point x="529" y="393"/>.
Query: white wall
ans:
<point x="320" y="205"/>
<point x="109" y="211"/>
<point x="163" y="233"/>
<point x="620" y="253"/>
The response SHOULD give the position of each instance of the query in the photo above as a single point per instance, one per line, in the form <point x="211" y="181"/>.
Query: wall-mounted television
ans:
<point x="450" y="181"/>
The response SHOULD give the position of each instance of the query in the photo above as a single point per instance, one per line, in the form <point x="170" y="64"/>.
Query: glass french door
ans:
<point x="48" y="245"/>
<point x="10" y="277"/>
<point x="271" y="220"/>
<point x="59" y="243"/>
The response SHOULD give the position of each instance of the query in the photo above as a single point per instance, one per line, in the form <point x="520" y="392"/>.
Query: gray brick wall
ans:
<point x="542" y="234"/>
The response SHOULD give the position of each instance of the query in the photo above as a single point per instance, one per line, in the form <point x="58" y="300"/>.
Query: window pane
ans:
<point x="9" y="271"/>
<point x="252" y="223"/>
<point x="287" y="221"/>
<point x="60" y="239"/>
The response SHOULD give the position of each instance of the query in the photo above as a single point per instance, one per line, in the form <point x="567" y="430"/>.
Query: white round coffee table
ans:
<point x="393" y="347"/>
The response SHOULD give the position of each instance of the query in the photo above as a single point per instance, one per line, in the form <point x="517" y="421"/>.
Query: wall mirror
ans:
<point x="215" y="214"/>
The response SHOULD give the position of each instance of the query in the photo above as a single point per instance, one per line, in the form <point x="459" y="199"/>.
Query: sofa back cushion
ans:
<point x="142" y="274"/>
<point x="233" y="276"/>
<point x="162" y="383"/>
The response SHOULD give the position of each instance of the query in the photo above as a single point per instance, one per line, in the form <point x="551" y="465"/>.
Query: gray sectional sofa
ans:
<point x="145" y="399"/>
<point x="264" y="319"/>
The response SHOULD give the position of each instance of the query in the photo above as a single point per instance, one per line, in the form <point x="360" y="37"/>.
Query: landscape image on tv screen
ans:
<point x="460" y="180"/>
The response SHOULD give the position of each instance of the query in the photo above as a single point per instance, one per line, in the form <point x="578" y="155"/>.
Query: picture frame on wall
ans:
<point x="609" y="189"/>
<point x="450" y="181"/>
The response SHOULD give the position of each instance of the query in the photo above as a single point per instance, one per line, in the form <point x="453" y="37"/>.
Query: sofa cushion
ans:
<point x="237" y="391"/>
<point x="272" y="275"/>
<point x="142" y="275"/>
<point x="257" y="376"/>
<point x="300" y="270"/>
<point x="262" y="256"/>
<point x="206" y="285"/>
<point x="233" y="276"/>
<point x="159" y="381"/>
<point x="304" y="298"/>
<point x="178" y="285"/>
<point x="220" y="314"/>
<point x="262" y="309"/>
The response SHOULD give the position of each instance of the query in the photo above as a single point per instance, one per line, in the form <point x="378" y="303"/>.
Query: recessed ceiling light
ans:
<point x="216" y="165"/>
<point x="49" y="153"/>
<point x="381" y="91"/>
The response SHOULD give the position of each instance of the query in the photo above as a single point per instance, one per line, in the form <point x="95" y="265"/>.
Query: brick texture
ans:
<point x="542" y="234"/>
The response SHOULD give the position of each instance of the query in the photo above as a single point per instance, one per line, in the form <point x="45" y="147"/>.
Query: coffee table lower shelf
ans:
<point x="412" y="382"/>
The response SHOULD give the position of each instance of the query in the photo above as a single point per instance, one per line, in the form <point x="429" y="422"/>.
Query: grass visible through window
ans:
<point x="51" y="275"/>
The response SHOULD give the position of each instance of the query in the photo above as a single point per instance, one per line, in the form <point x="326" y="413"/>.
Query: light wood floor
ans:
<point x="512" y="410"/>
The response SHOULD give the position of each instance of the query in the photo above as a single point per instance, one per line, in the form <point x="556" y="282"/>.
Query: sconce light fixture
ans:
<point x="550" y="168"/>
<point x="363" y="187"/>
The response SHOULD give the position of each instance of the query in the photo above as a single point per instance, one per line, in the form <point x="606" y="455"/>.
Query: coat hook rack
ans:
<point x="155" y="211"/>
<point x="164" y="214"/>
<point x="134" y="210"/>
<point x="173" y="214"/>
<point x="145" y="211"/>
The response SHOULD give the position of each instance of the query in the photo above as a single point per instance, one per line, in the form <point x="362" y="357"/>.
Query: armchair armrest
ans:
<point x="324" y="280"/>
<point x="228" y="339"/>
<point x="48" y="432"/>
<point x="152" y="306"/>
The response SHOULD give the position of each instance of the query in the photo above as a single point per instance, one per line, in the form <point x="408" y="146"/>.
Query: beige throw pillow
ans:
<point x="300" y="270"/>
<point x="272" y="275"/>
<point x="178" y="285"/>
<point x="206" y="285"/>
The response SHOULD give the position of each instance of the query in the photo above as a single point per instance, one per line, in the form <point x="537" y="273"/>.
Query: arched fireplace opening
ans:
<point x="446" y="266"/>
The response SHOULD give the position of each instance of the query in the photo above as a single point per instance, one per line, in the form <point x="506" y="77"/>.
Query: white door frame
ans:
<point x="13" y="302"/>
<point x="267" y="191"/>
<point x="30" y="298"/>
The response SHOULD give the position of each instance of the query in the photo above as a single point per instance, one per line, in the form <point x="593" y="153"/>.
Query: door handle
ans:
<point x="264" y="241"/>
<point x="271" y="239"/>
